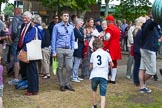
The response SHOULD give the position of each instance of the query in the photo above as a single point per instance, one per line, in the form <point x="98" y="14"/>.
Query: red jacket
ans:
<point x="113" y="44"/>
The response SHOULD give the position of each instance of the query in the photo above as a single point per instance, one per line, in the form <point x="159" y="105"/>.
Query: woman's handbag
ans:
<point x="76" y="44"/>
<point x="34" y="51"/>
<point x="22" y="56"/>
<point x="54" y="65"/>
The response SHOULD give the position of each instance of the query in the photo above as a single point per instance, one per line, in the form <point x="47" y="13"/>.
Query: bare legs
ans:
<point x="143" y="77"/>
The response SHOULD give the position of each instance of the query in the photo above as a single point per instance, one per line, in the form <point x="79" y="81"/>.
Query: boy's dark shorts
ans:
<point x="102" y="82"/>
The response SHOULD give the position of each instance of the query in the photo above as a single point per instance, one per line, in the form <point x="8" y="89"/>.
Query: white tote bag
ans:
<point x="34" y="51"/>
<point x="76" y="44"/>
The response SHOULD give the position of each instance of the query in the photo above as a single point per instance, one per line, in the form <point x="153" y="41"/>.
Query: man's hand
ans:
<point x="54" y="55"/>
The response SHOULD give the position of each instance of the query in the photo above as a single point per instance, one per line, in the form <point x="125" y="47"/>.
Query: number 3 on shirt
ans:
<point x="99" y="60"/>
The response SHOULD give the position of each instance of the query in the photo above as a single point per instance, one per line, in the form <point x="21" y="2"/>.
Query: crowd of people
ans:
<point x="99" y="44"/>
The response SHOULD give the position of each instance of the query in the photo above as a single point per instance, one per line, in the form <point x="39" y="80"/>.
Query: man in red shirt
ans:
<point x="112" y="44"/>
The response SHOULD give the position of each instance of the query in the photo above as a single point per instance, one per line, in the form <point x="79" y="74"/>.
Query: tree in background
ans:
<point x="132" y="9"/>
<point x="2" y="1"/>
<point x="107" y="7"/>
<point x="80" y="5"/>
<point x="8" y="10"/>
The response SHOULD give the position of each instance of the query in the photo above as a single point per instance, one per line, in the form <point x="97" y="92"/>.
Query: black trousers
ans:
<point x="23" y="70"/>
<point x="32" y="77"/>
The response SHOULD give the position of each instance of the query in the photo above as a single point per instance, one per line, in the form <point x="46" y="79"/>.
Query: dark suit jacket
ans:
<point x="22" y="26"/>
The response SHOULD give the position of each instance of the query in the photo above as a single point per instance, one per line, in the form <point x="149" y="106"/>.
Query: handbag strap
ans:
<point x="36" y="33"/>
<point x="76" y="40"/>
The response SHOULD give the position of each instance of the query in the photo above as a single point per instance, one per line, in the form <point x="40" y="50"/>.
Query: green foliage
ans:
<point x="2" y="1"/>
<point x="132" y="9"/>
<point x="8" y="10"/>
<point x="72" y="4"/>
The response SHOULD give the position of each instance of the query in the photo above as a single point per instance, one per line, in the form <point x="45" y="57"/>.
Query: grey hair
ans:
<point x="78" y="20"/>
<point x="36" y="19"/>
<point x="104" y="22"/>
<point x="28" y="14"/>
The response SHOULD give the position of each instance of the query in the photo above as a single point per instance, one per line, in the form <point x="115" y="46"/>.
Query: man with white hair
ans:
<point x="25" y="28"/>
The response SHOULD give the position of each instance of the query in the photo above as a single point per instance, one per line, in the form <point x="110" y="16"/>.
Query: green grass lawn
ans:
<point x="123" y="94"/>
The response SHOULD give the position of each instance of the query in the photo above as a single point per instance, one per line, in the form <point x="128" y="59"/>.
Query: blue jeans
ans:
<point x="13" y="51"/>
<point x="76" y="67"/>
<point x="137" y="59"/>
<point x="102" y="82"/>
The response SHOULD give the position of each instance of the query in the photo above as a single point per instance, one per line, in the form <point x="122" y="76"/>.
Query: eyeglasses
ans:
<point x="66" y="29"/>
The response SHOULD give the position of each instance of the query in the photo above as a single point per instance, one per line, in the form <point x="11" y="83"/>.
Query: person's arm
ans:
<point x="53" y="41"/>
<point x="3" y="38"/>
<point x="90" y="66"/>
<point x="78" y="35"/>
<point x="160" y="39"/>
<point x="84" y="32"/>
<point x="91" y="62"/>
<point x="111" y="64"/>
<point x="14" y="25"/>
<point x="72" y="40"/>
<point x="130" y="35"/>
<point x="108" y="34"/>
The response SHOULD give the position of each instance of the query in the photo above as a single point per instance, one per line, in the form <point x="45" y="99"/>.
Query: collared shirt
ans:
<point x="123" y="26"/>
<point x="62" y="37"/>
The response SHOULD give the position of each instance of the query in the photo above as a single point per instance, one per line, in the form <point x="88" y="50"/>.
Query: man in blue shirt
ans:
<point x="62" y="48"/>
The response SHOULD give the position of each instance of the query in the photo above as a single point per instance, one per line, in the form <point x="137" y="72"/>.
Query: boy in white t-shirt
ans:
<point x="99" y="63"/>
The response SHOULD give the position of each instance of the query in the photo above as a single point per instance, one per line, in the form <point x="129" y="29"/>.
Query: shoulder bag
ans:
<point x="34" y="51"/>
<point x="22" y="56"/>
<point x="76" y="44"/>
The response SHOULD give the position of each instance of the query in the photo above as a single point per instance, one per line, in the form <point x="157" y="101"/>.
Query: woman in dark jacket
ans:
<point x="78" y="53"/>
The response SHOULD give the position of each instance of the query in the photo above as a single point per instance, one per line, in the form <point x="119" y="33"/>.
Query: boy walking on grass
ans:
<point x="99" y="63"/>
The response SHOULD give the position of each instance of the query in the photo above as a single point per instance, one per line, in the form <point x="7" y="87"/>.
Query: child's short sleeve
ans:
<point x="91" y="59"/>
<point x="109" y="57"/>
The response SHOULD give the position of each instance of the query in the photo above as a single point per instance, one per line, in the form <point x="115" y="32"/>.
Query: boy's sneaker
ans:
<point x="13" y="82"/>
<point x="145" y="90"/>
<point x="76" y="80"/>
